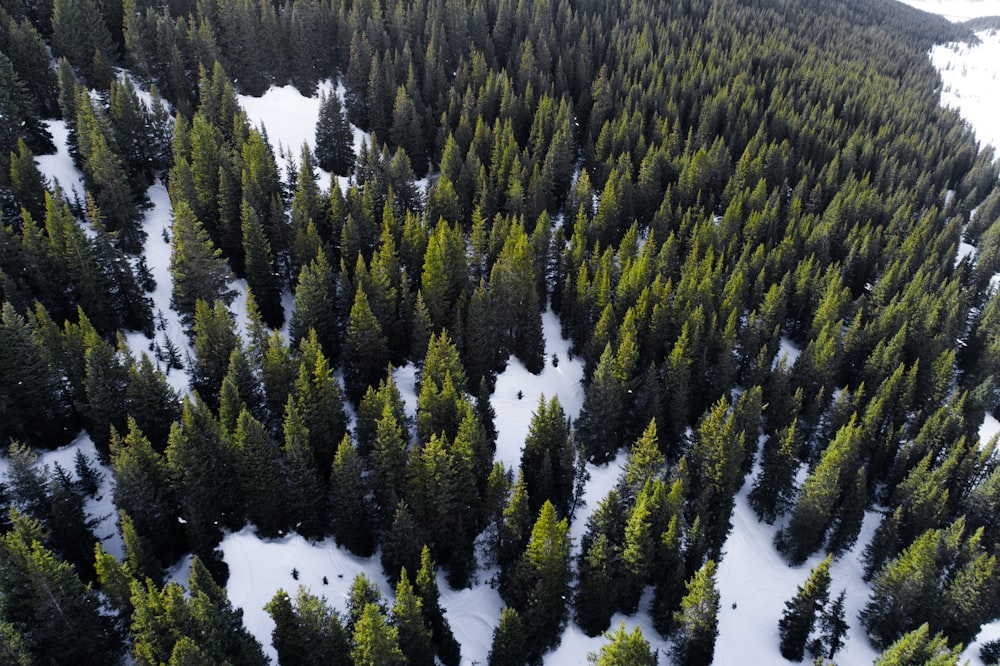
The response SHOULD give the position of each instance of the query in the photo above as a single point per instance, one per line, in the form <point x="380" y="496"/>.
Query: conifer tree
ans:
<point x="408" y="617"/>
<point x="548" y="457"/>
<point x="801" y="611"/>
<point x="315" y="306"/>
<point x="259" y="267"/>
<point x="595" y="600"/>
<point x="197" y="267"/>
<point x="350" y="511"/>
<point x="215" y="339"/>
<point x="509" y="647"/>
<point x="47" y="605"/>
<point x="542" y="581"/>
<point x="366" y="352"/>
<point x="143" y="490"/>
<point x="307" y="631"/>
<point x="376" y="643"/>
<point x="401" y="543"/>
<point x="599" y="424"/>
<point x="833" y="628"/>
<point x="319" y="399"/>
<point x="772" y="490"/>
<point x="445" y="644"/>
<point x="260" y="475"/>
<point x="919" y="647"/>
<point x="696" y="622"/>
<point x="624" y="650"/>
<point x="334" y="141"/>
<point x="151" y="401"/>
<point x="305" y="484"/>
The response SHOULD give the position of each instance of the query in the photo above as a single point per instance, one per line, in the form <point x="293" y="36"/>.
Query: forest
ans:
<point x="687" y="185"/>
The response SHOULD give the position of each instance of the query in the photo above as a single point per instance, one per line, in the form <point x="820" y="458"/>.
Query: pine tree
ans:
<point x="319" y="399"/>
<point x="366" y="352"/>
<point x="447" y="647"/>
<point x="696" y="622"/>
<point x="315" y="299"/>
<point x="595" y="600"/>
<point x="260" y="475"/>
<point x="261" y="274"/>
<point x="408" y="617"/>
<point x="47" y="605"/>
<point x="833" y="628"/>
<point x="350" y="511"/>
<point x="305" y="484"/>
<point x="801" y="611"/>
<point x="773" y="488"/>
<point x="509" y="647"/>
<point x="215" y="339"/>
<point x="624" y="650"/>
<point x="548" y="457"/>
<point x="143" y="490"/>
<point x="308" y="631"/>
<point x="919" y="647"/>
<point x="151" y="401"/>
<point x="599" y="424"/>
<point x="376" y="643"/>
<point x="401" y="543"/>
<point x="542" y="581"/>
<point x="334" y="141"/>
<point x="197" y="267"/>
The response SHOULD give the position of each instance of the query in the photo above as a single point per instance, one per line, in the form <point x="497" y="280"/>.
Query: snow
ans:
<point x="753" y="576"/>
<point x="99" y="508"/>
<point x="957" y="10"/>
<point x="289" y="118"/>
<point x="513" y="414"/>
<point x="59" y="168"/>
<point x="970" y="81"/>
<point x="787" y="350"/>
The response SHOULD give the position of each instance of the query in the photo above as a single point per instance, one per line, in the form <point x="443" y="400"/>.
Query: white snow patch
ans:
<point x="989" y="429"/>
<point x="59" y="168"/>
<point x="288" y="117"/>
<point x="754" y="577"/>
<point x="156" y="223"/>
<point x="513" y="414"/>
<point x="965" y="250"/>
<point x="787" y="350"/>
<point x="970" y="81"/>
<point x="473" y="614"/>
<point x="99" y="508"/>
<point x="258" y="568"/>
<point x="957" y="11"/>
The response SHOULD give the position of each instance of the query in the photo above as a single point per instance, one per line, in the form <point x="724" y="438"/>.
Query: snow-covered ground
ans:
<point x="970" y="81"/>
<point x="289" y="118"/>
<point x="99" y="508"/>
<point x="957" y="10"/>
<point x="59" y="168"/>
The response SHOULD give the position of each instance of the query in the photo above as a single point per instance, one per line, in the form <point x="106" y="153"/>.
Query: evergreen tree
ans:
<point x="315" y="298"/>
<point x="305" y="484"/>
<point x="624" y="650"/>
<point x="376" y="643"/>
<point x="319" y="399"/>
<point x="509" y="647"/>
<point x="143" y="490"/>
<point x="57" y="617"/>
<point x="447" y="647"/>
<point x="801" y="611"/>
<point x="833" y="629"/>
<point x="599" y="424"/>
<point x="919" y="647"/>
<point x="197" y="267"/>
<point x="334" y="141"/>
<point x="773" y="488"/>
<point x="401" y="543"/>
<point x="307" y="631"/>
<point x="597" y="587"/>
<point x="366" y="352"/>
<point x="215" y="339"/>
<point x="548" y="457"/>
<point x="542" y="581"/>
<point x="350" y="511"/>
<point x="696" y="621"/>
<point x="260" y="475"/>
<point x="261" y="275"/>
<point x="408" y="617"/>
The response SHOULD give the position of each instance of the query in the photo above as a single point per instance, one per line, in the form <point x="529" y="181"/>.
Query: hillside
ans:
<point x="493" y="327"/>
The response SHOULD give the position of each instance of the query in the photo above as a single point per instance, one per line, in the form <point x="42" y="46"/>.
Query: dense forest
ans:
<point x="686" y="184"/>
